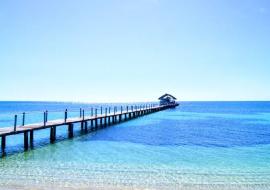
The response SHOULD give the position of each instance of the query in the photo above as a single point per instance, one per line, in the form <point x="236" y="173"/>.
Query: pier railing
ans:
<point x="19" y="119"/>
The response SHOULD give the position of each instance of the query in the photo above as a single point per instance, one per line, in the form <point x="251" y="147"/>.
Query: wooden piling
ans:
<point x="85" y="127"/>
<point x="92" y="124"/>
<point x="31" y="138"/>
<point x="52" y="134"/>
<point x="96" y="123"/>
<point x="120" y="117"/>
<point x="82" y="123"/>
<point x="25" y="140"/>
<point x="70" y="130"/>
<point x="3" y="145"/>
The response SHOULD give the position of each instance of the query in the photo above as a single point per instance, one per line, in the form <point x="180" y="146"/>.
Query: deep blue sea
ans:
<point x="198" y="145"/>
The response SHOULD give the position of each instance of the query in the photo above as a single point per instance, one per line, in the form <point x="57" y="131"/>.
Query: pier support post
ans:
<point x="105" y="121"/>
<point x="52" y="134"/>
<point x="70" y="130"/>
<point x="25" y="140"/>
<point x="82" y="123"/>
<point x="101" y="122"/>
<point x="96" y="123"/>
<point x="3" y="145"/>
<point x="92" y="124"/>
<point x="85" y="126"/>
<point x="31" y="138"/>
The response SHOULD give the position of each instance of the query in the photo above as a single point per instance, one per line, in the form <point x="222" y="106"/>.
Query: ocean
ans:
<point x="198" y="145"/>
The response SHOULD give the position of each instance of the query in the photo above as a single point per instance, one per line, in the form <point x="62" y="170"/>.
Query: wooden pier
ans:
<point x="88" y="123"/>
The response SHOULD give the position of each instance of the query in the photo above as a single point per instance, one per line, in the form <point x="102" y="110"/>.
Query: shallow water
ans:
<point x="199" y="145"/>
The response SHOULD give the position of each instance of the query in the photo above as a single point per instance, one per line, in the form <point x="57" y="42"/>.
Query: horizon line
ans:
<point x="145" y="101"/>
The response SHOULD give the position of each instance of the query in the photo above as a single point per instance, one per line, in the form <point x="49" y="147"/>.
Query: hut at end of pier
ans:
<point x="167" y="99"/>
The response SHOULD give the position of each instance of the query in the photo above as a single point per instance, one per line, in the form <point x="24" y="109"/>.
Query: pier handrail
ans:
<point x="82" y="113"/>
<point x="23" y="115"/>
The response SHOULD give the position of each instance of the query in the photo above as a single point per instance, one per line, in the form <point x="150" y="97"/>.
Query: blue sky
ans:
<point x="134" y="50"/>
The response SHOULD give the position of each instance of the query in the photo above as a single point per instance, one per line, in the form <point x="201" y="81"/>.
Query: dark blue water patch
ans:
<point x="221" y="132"/>
<point x="242" y="107"/>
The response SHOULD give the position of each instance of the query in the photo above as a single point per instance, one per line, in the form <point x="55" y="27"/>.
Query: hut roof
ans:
<point x="167" y="96"/>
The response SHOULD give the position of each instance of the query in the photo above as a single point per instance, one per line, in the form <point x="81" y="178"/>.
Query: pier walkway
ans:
<point x="88" y="123"/>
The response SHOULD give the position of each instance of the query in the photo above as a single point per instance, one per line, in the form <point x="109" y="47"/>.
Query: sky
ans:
<point x="134" y="50"/>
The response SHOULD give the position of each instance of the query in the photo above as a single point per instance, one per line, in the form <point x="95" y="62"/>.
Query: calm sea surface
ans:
<point x="199" y="145"/>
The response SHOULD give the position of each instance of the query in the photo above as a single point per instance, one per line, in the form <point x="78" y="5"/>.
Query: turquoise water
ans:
<point x="199" y="145"/>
